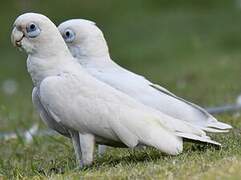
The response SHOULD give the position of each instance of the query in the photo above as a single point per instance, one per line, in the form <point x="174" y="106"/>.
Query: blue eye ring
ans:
<point x="32" y="30"/>
<point x="69" y="35"/>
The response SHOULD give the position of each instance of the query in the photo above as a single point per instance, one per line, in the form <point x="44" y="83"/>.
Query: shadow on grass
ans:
<point x="123" y="157"/>
<point x="146" y="155"/>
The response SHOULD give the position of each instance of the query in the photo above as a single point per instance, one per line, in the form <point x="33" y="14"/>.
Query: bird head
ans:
<point x="83" y="38"/>
<point x="37" y="35"/>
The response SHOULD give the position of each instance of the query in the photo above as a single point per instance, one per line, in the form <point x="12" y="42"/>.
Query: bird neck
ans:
<point x="94" y="60"/>
<point x="91" y="48"/>
<point x="41" y="67"/>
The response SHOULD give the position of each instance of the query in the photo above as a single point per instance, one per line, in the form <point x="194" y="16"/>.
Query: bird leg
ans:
<point x="101" y="150"/>
<point x="87" y="144"/>
<point x="76" y="143"/>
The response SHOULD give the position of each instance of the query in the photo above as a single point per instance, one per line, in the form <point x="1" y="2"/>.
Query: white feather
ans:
<point x="91" y="50"/>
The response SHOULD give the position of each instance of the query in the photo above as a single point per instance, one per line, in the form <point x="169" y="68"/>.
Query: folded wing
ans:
<point x="45" y="116"/>
<point x="156" y="96"/>
<point x="90" y="106"/>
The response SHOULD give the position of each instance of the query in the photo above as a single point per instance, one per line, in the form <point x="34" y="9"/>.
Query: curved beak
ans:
<point x="16" y="37"/>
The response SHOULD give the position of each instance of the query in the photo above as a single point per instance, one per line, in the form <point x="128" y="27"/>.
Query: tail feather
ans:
<point x="206" y="121"/>
<point x="213" y="130"/>
<point x="213" y="123"/>
<point x="195" y="138"/>
<point x="189" y="131"/>
<point x="181" y="126"/>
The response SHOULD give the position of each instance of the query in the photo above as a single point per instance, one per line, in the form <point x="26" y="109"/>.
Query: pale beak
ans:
<point x="16" y="37"/>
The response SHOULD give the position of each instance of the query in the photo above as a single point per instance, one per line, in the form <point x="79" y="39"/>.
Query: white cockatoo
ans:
<point x="76" y="104"/>
<point x="87" y="43"/>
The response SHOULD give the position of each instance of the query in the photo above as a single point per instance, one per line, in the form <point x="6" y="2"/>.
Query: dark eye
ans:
<point x="32" y="27"/>
<point x="33" y="30"/>
<point x="69" y="35"/>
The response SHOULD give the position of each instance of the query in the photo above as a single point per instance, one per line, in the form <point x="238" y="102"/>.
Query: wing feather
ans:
<point x="122" y="121"/>
<point x="156" y="96"/>
<point x="45" y="116"/>
<point x="82" y="106"/>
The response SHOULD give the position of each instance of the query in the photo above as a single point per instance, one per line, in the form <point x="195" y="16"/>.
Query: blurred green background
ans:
<point x="191" y="47"/>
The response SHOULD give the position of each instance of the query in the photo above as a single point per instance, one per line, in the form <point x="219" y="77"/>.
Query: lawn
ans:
<point x="192" y="48"/>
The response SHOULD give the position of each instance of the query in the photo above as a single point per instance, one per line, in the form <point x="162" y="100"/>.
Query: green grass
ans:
<point x="54" y="157"/>
<point x="192" y="48"/>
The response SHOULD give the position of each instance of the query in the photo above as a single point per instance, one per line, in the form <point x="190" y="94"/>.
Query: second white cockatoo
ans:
<point x="78" y="105"/>
<point x="87" y="43"/>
